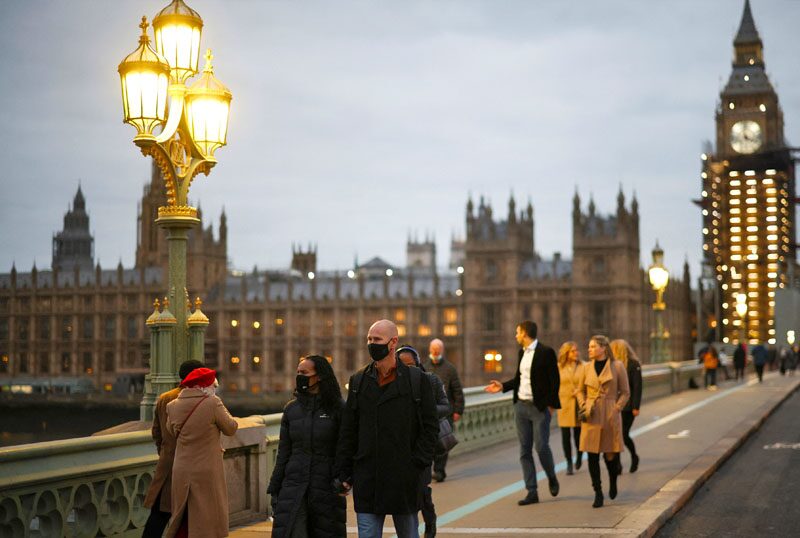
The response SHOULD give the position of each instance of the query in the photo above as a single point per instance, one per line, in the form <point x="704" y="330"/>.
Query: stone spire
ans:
<point x="747" y="34"/>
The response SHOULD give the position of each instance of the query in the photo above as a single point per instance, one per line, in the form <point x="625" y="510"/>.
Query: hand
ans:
<point x="636" y="412"/>
<point x="456" y="417"/>
<point x="347" y="487"/>
<point x="493" y="386"/>
<point x="551" y="409"/>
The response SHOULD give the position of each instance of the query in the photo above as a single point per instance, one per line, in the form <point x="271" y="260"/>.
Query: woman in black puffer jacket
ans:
<point x="303" y="500"/>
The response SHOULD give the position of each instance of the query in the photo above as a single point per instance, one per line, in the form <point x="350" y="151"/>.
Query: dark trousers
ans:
<point x="567" y="446"/>
<point x="739" y="373"/>
<point x="627" y="422"/>
<point x="711" y="376"/>
<point x="156" y="521"/>
<point x="428" y="510"/>
<point x="760" y="372"/>
<point x="533" y="431"/>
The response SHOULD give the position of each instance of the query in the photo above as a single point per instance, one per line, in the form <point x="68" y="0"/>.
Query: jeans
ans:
<point x="711" y="377"/>
<point x="533" y="431"/>
<point x="371" y="525"/>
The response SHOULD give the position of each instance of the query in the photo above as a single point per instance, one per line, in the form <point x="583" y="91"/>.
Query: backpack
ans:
<point x="709" y="361"/>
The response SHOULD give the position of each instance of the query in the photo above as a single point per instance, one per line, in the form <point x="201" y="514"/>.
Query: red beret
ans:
<point x="200" y="377"/>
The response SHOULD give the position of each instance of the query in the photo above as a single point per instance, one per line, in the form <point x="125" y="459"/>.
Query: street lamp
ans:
<point x="741" y="310"/>
<point x="193" y="124"/>
<point x="659" y="278"/>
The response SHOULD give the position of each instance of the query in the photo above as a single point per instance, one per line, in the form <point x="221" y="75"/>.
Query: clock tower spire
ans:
<point x="748" y="195"/>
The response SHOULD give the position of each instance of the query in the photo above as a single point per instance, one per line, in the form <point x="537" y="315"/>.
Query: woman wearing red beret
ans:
<point x="199" y="493"/>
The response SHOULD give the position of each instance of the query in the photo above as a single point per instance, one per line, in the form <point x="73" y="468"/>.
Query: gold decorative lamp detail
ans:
<point x="194" y="124"/>
<point x="659" y="278"/>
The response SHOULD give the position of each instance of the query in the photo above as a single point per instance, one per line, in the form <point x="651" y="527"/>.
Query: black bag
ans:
<point x="447" y="437"/>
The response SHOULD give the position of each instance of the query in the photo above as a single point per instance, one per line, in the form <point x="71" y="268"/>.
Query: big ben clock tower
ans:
<point x="748" y="196"/>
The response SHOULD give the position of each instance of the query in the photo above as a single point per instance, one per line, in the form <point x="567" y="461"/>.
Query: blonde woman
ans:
<point x="623" y="351"/>
<point x="570" y="370"/>
<point x="602" y="393"/>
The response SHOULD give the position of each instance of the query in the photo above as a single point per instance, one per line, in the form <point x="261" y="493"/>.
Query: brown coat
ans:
<point x="165" y="446"/>
<point x="570" y="375"/>
<point x="198" y="478"/>
<point x="604" y="397"/>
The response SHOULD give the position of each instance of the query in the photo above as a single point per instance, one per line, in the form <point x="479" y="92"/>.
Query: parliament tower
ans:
<point x="748" y="195"/>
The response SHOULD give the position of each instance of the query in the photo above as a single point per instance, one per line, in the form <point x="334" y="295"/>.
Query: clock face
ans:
<point x="746" y="137"/>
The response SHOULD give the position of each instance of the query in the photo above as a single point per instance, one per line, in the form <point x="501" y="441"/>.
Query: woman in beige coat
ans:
<point x="570" y="371"/>
<point x="199" y="493"/>
<point x="602" y="393"/>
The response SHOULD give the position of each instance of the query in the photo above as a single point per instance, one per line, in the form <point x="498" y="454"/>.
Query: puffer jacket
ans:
<point x="305" y="462"/>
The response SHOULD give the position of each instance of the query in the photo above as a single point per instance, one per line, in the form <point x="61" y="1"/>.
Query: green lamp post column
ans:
<point x="194" y="124"/>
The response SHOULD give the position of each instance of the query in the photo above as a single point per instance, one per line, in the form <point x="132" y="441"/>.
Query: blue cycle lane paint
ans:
<point x="516" y="487"/>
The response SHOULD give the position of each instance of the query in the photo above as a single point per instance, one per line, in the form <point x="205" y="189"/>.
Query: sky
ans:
<point x="355" y="123"/>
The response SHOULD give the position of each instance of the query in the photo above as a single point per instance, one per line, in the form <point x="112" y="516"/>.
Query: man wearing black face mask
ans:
<point x="387" y="438"/>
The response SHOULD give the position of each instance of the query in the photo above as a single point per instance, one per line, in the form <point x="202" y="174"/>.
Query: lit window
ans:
<point x="752" y="238"/>
<point x="735" y="211"/>
<point x="772" y="218"/>
<point x="772" y="200"/>
<point x="750" y="173"/>
<point x="731" y="105"/>
<point x="705" y="212"/>
<point x="424" y="330"/>
<point x="734" y="257"/>
<point x="234" y="323"/>
<point x="735" y="220"/>
<point x="736" y="192"/>
<point x="401" y="329"/>
<point x="735" y="238"/>
<point x="770" y="172"/>
<point x="747" y="78"/>
<point x="705" y="231"/>
<point x="735" y="201"/>
<point x="754" y="210"/>
<point x="762" y="107"/>
<point x="735" y="182"/>
<point x="771" y="209"/>
<point x="450" y="330"/>
<point x="751" y="200"/>
<point x="736" y="248"/>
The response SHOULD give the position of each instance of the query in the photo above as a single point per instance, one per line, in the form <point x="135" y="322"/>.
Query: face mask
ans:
<point x="436" y="358"/>
<point x="303" y="383"/>
<point x="378" y="351"/>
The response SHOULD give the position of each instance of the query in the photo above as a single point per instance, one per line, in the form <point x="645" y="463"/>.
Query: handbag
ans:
<point x="447" y="437"/>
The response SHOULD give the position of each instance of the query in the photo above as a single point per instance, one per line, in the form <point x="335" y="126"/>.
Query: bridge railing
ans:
<point x="95" y="486"/>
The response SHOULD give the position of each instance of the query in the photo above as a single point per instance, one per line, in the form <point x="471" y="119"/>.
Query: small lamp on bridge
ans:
<point x="659" y="278"/>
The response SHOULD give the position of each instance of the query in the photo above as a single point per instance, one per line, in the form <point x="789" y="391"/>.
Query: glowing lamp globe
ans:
<point x="144" y="75"/>
<point x="659" y="276"/>
<point x="208" y="104"/>
<point x="177" y="29"/>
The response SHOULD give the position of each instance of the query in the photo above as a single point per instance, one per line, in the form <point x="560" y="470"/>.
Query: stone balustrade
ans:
<point x="94" y="486"/>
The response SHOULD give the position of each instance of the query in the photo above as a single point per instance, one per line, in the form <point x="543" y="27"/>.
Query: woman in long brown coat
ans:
<point x="570" y="371"/>
<point x="602" y="393"/>
<point x="199" y="494"/>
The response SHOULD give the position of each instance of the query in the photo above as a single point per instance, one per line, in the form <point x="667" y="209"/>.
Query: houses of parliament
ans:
<point x="78" y="319"/>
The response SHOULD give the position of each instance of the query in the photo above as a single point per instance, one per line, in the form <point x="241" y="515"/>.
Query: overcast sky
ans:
<point x="355" y="122"/>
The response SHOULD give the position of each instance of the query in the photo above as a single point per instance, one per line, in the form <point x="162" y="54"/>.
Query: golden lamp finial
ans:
<point x="144" y="38"/>
<point x="209" y="68"/>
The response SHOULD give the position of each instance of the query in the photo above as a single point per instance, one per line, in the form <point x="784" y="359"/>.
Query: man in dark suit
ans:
<point x="535" y="387"/>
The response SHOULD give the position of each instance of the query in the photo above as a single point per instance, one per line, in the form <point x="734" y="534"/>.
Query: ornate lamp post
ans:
<point x="741" y="310"/>
<point x="194" y="124"/>
<point x="659" y="278"/>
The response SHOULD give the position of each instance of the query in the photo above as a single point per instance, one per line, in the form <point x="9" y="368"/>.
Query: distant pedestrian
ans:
<point x="199" y="491"/>
<point x="739" y="360"/>
<point x="602" y="394"/>
<point x="624" y="353"/>
<point x="409" y="356"/>
<point x="535" y="386"/>
<point x="446" y="371"/>
<point x="760" y="358"/>
<point x="388" y="435"/>
<point x="159" y="494"/>
<point x="303" y="500"/>
<point x="570" y="371"/>
<point x="710" y="360"/>
<point x="794" y="358"/>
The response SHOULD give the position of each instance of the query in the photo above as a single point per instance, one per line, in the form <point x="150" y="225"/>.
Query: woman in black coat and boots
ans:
<point x="303" y="501"/>
<point x="623" y="351"/>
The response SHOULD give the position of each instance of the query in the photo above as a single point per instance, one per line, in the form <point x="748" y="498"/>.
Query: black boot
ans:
<point x="569" y="467"/>
<point x="634" y="462"/>
<point x="578" y="460"/>
<point x="597" y="486"/>
<point x="613" y="471"/>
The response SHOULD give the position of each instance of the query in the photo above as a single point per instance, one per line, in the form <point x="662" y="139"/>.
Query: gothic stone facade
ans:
<point x="88" y="321"/>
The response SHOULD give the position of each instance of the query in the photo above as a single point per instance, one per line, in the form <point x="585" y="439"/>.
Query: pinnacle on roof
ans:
<point x="747" y="28"/>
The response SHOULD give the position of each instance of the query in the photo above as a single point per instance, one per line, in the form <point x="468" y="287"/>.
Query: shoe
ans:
<point x="439" y="476"/>
<point x="634" y="463"/>
<point x="569" y="468"/>
<point x="598" y="499"/>
<point x="579" y="461"/>
<point x="612" y="489"/>
<point x="553" y="485"/>
<point x="531" y="498"/>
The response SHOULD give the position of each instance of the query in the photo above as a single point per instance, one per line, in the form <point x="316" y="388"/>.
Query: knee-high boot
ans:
<point x="613" y="466"/>
<point x="594" y="472"/>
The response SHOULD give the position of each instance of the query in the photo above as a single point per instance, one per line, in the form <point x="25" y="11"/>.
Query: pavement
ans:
<point x="681" y="440"/>
<point x="756" y="492"/>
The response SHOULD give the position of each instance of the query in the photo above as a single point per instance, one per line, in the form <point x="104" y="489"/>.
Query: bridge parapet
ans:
<point x="94" y="486"/>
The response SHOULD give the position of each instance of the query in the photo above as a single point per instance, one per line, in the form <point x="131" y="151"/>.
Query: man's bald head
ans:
<point x="381" y="331"/>
<point x="436" y="348"/>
